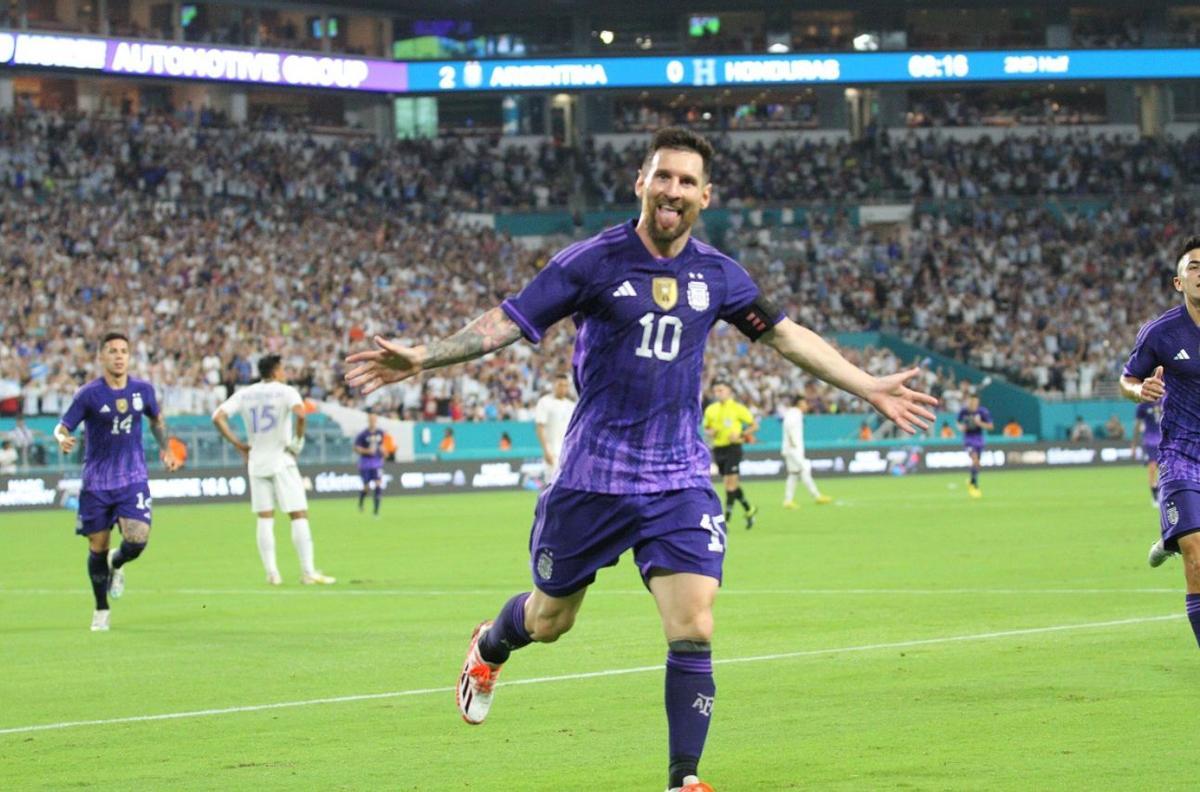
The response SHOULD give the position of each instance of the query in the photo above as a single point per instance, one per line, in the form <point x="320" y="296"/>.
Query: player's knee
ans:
<point x="697" y="627"/>
<point x="548" y="627"/>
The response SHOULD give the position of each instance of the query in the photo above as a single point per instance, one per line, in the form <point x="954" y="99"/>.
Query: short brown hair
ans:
<point x="685" y="139"/>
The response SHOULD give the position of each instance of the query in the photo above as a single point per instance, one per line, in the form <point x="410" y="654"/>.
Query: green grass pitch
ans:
<point x="904" y="638"/>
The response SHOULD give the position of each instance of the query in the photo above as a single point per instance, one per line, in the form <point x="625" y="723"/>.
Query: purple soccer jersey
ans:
<point x="1149" y="415"/>
<point x="973" y="434"/>
<point x="1173" y="342"/>
<point x="642" y="324"/>
<point x="113" y="455"/>
<point x="374" y="440"/>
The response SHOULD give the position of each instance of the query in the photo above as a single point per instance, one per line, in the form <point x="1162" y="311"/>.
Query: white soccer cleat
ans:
<point x="100" y="621"/>
<point x="477" y="681"/>
<point x="1158" y="554"/>
<point x="692" y="784"/>
<point x="318" y="579"/>
<point x="274" y="579"/>
<point x="116" y="580"/>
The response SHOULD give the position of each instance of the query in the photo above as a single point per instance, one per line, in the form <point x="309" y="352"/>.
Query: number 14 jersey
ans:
<point x="641" y="328"/>
<point x="112" y="456"/>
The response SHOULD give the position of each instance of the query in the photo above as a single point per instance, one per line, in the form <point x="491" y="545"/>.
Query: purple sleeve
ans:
<point x="962" y="415"/>
<point x="151" y="409"/>
<point x="360" y="439"/>
<point x="75" y="412"/>
<point x="740" y="291"/>
<point x="554" y="293"/>
<point x="1143" y="359"/>
<point x="985" y="415"/>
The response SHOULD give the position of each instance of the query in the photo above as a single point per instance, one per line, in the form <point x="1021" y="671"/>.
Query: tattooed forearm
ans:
<point x="486" y="334"/>
<point x="158" y="427"/>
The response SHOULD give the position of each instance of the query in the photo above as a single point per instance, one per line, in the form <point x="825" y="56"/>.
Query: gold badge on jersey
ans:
<point x="122" y="406"/>
<point x="666" y="292"/>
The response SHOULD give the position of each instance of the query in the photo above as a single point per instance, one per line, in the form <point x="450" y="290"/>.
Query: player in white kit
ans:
<point x="551" y="417"/>
<point x="267" y="409"/>
<point x="798" y="466"/>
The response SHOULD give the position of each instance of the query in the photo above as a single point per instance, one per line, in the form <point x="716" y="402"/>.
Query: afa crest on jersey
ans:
<point x="137" y="401"/>
<point x="697" y="295"/>
<point x="666" y="292"/>
<point x="122" y="406"/>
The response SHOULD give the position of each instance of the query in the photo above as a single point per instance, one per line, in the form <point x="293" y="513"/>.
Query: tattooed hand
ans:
<point x="393" y="362"/>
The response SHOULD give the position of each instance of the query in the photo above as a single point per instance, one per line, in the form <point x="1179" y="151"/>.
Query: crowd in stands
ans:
<point x="211" y="246"/>
<point x="908" y="166"/>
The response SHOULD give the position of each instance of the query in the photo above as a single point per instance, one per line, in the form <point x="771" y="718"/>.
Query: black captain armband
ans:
<point x="756" y="318"/>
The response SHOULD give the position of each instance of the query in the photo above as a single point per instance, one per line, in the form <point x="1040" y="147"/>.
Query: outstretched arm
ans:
<point x="888" y="395"/>
<point x="392" y="362"/>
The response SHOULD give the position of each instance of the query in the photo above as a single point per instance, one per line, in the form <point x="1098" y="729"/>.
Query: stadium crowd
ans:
<point x="214" y="245"/>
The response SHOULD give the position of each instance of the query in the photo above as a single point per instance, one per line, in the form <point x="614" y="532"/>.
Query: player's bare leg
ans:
<point x="98" y="543"/>
<point x="135" y="535"/>
<point x="1189" y="547"/>
<point x="685" y="603"/>
<point x="265" y="536"/>
<point x="1152" y="469"/>
<point x="524" y="619"/>
<point x="302" y="540"/>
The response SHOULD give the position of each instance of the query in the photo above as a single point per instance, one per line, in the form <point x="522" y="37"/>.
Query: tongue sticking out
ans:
<point x="667" y="218"/>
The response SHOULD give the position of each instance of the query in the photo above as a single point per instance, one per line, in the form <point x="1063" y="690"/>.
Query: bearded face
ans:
<point x="673" y="190"/>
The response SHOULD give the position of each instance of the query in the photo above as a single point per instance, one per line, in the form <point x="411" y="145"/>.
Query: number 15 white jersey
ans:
<point x="266" y="410"/>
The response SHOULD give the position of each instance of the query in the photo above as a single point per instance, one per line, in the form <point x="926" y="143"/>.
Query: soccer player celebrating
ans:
<point x="634" y="472"/>
<point x="267" y="408"/>
<point x="798" y="466"/>
<point x="369" y="447"/>
<point x="116" y="488"/>
<point x="1147" y="425"/>
<point x="972" y="421"/>
<point x="1161" y="367"/>
<point x="727" y="422"/>
<point x="551" y="417"/>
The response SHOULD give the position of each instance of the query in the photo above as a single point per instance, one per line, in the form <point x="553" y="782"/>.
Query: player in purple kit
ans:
<point x="973" y="420"/>
<point x="115" y="481"/>
<point x="1147" y="427"/>
<point x="634" y="469"/>
<point x="1165" y="364"/>
<point x="368" y="444"/>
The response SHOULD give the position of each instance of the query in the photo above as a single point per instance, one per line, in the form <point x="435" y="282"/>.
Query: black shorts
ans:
<point x="728" y="458"/>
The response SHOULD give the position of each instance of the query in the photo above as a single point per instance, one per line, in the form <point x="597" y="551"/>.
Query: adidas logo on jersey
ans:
<point x="625" y="290"/>
<point x="1183" y="355"/>
<point x="105" y="409"/>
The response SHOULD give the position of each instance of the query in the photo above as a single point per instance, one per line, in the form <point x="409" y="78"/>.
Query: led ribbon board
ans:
<point x="130" y="57"/>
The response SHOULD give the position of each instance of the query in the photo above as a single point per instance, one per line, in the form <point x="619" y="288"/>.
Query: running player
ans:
<point x="1165" y="364"/>
<point x="551" y="417"/>
<point x="973" y="420"/>
<point x="368" y="445"/>
<point x="116" y="486"/>
<point x="798" y="466"/>
<point x="1147" y="426"/>
<point x="634" y="472"/>
<point x="267" y="408"/>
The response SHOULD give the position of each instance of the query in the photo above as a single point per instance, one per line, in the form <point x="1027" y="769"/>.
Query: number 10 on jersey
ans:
<point x="665" y="333"/>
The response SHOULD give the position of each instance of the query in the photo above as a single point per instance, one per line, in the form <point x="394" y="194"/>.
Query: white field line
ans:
<point x="951" y="639"/>
<point x="725" y="592"/>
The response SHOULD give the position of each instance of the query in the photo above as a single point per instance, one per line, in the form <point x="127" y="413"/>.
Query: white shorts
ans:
<point x="284" y="490"/>
<point x="796" y="463"/>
